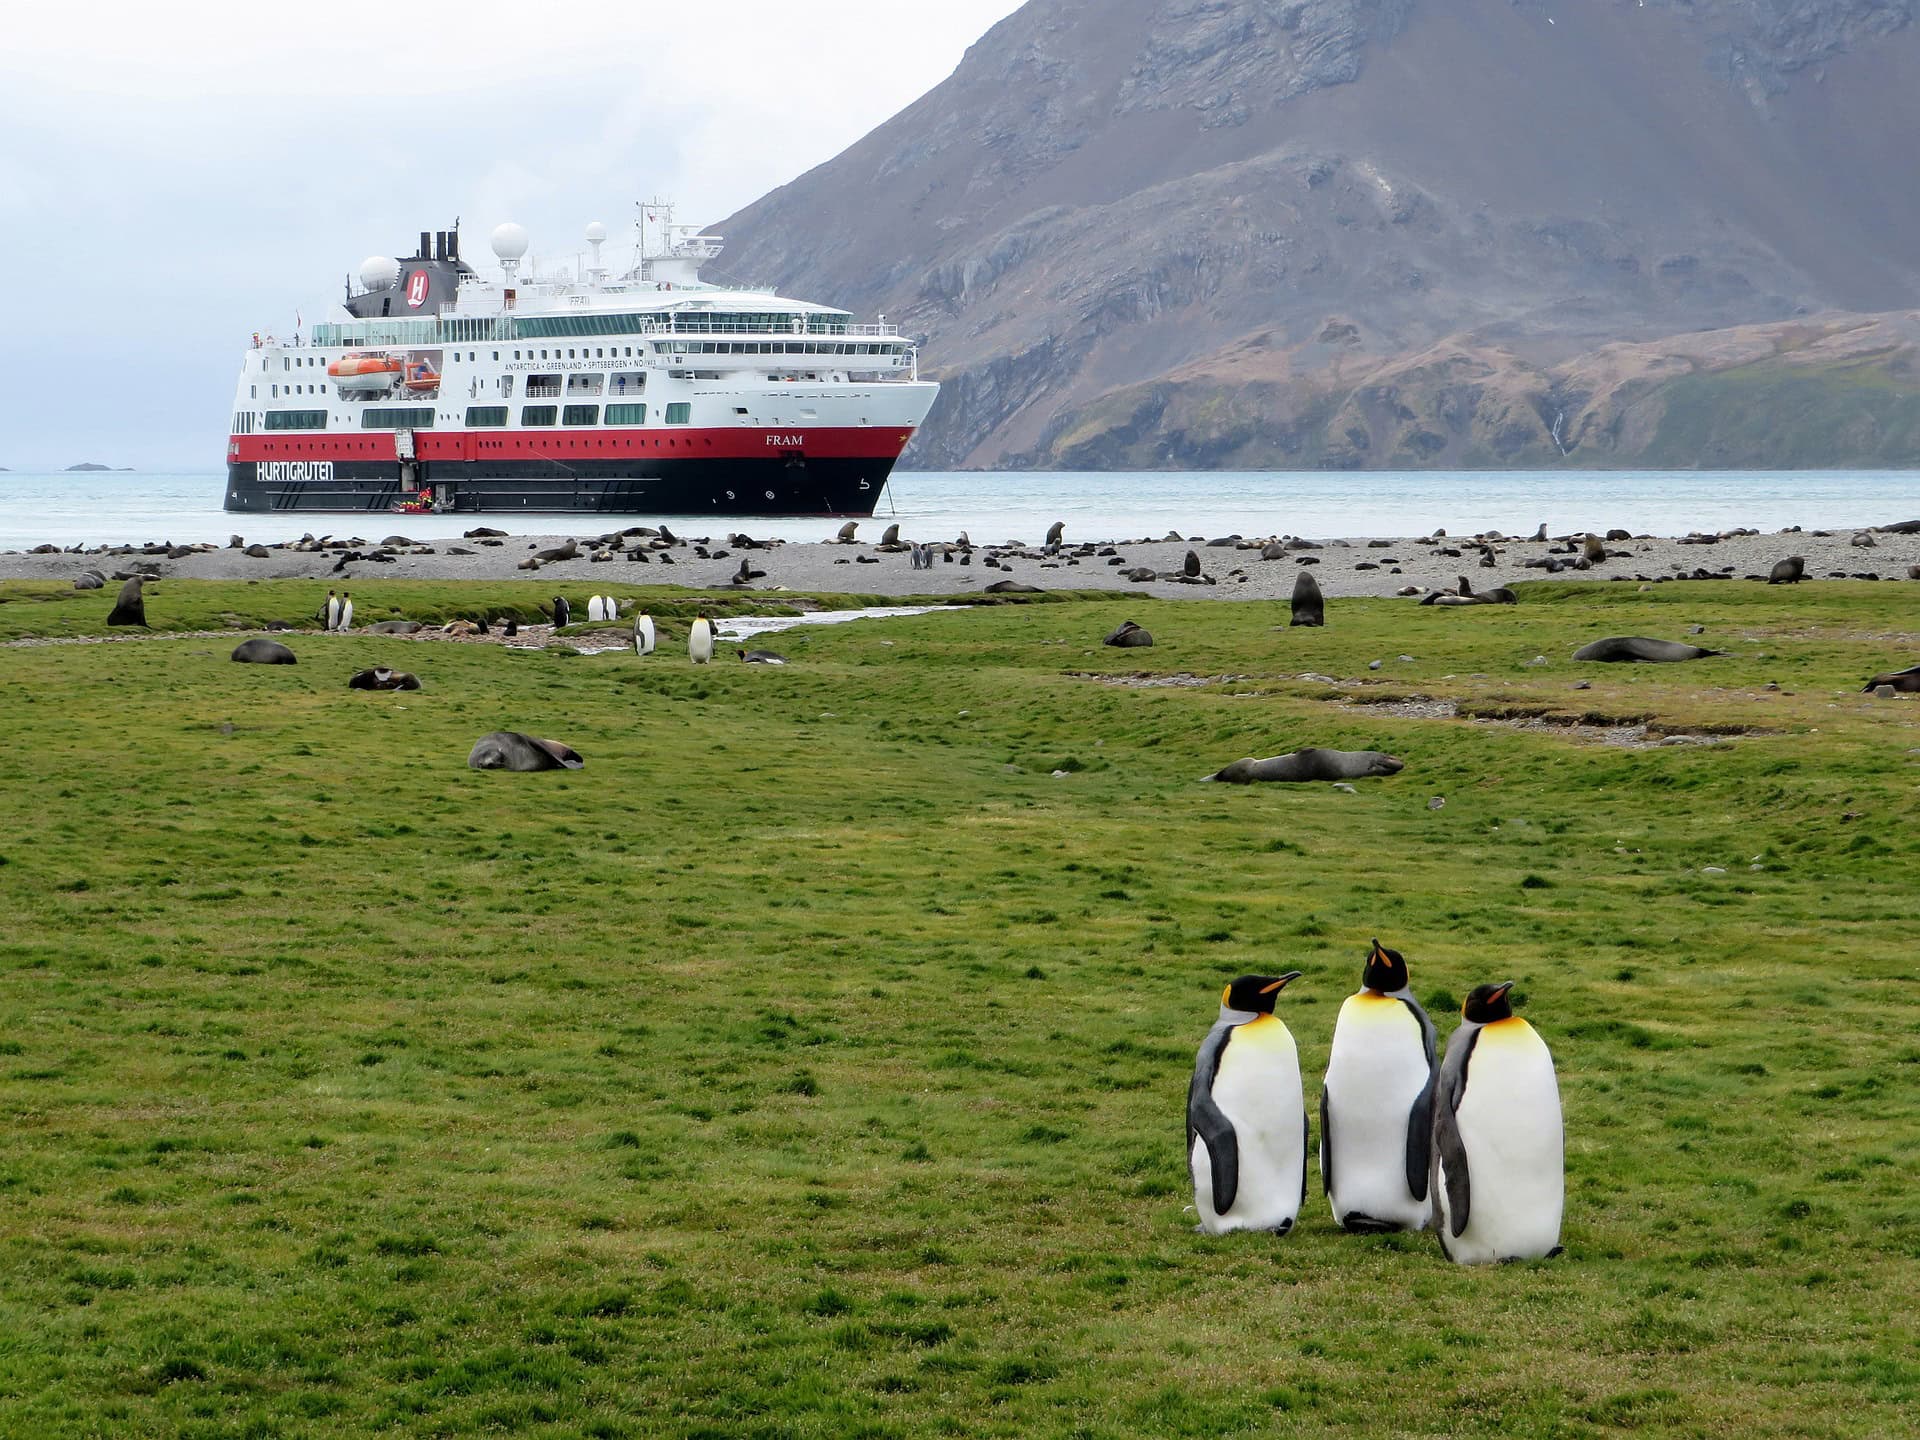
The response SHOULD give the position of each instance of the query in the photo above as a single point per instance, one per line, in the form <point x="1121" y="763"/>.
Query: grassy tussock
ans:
<point x="811" y="1064"/>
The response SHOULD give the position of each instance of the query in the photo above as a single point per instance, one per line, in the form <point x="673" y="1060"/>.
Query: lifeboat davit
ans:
<point x="365" y="372"/>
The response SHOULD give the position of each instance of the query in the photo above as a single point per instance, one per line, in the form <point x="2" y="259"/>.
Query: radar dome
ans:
<point x="596" y="232"/>
<point x="378" y="272"/>
<point x="509" y="241"/>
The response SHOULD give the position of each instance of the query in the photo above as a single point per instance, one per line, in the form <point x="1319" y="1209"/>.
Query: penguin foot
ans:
<point x="1556" y="1252"/>
<point x="1285" y="1227"/>
<point x="1360" y="1224"/>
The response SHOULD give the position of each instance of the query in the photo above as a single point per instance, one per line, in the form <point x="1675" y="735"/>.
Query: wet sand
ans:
<point x="1233" y="569"/>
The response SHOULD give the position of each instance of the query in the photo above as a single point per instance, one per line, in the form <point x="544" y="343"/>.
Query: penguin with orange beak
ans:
<point x="1246" y="1117"/>
<point x="1499" y="1143"/>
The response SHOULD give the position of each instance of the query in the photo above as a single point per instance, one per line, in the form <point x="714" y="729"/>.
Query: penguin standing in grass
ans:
<point x="1499" y="1146"/>
<point x="346" y="610"/>
<point x="643" y="634"/>
<point x="331" y="615"/>
<point x="1376" y="1105"/>
<point x="700" y="640"/>
<point x="595" y="610"/>
<point x="562" y="612"/>
<point x="1246" y="1119"/>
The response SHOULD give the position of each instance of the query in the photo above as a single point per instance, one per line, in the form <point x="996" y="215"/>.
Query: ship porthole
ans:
<point x="769" y="494"/>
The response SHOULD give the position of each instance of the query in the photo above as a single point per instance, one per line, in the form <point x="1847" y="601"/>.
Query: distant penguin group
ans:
<point x="337" y="613"/>
<point x="1473" y="1145"/>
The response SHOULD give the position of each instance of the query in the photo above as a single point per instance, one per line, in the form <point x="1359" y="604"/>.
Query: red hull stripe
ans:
<point x="678" y="443"/>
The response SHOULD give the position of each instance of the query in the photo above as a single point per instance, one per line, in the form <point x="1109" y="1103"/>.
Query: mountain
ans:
<point x="1392" y="232"/>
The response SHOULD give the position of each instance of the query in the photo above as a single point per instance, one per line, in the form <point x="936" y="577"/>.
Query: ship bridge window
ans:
<point x="580" y="415"/>
<point x="680" y="414"/>
<point x="479" y="416"/>
<point x="585" y="384"/>
<point x="397" y="417"/>
<point x="626" y="414"/>
<point x="630" y="382"/>
<point x="538" y="414"/>
<point x="296" y="419"/>
<point x="543" y="387"/>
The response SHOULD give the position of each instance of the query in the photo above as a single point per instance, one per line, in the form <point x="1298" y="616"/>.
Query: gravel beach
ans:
<point x="1235" y="567"/>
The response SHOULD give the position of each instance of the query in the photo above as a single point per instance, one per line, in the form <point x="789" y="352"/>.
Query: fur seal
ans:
<point x="1309" y="606"/>
<point x="1056" y="532"/>
<point x="846" y="532"/>
<point x="1190" y="567"/>
<point x="1905" y="682"/>
<point x="1638" y="647"/>
<point x="761" y="657"/>
<point x="263" y="652"/>
<point x="131" y="607"/>
<point x="1311" y="765"/>
<point x="510" y="750"/>
<point x="1790" y="571"/>
<point x="92" y="580"/>
<point x="383" y="679"/>
<point x="1129" y="637"/>
<point x="395" y="627"/>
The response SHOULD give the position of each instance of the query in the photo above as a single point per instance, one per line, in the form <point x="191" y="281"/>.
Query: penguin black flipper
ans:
<point x="1420" y="1142"/>
<point x="1450" y="1151"/>
<point x="1209" y="1122"/>
<point x="1326" y="1145"/>
<point x="1305" y="1145"/>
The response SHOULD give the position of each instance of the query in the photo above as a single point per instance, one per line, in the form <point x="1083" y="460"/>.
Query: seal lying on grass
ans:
<point x="263" y="652"/>
<point x="1129" y="637"/>
<point x="383" y="680"/>
<point x="1638" y="647"/>
<point x="1907" y="682"/>
<point x="1311" y="765"/>
<point x="510" y="750"/>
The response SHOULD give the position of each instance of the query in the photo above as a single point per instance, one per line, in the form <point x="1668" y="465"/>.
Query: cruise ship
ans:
<point x="644" y="392"/>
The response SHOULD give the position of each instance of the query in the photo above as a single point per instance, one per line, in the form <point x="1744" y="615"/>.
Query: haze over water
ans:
<point x="125" y="508"/>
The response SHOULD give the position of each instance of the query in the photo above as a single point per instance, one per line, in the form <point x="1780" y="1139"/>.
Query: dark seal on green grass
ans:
<point x="1312" y="764"/>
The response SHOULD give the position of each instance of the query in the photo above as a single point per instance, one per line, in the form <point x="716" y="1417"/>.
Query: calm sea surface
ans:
<point x="64" y="509"/>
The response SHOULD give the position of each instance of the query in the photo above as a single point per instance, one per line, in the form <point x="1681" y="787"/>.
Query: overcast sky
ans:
<point x="174" y="177"/>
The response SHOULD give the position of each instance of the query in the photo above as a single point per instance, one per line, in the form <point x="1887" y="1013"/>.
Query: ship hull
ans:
<point x="533" y="487"/>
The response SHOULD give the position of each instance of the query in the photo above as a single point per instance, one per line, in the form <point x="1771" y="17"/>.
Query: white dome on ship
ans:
<point x="377" y="272"/>
<point x="596" y="232"/>
<point x="509" y="241"/>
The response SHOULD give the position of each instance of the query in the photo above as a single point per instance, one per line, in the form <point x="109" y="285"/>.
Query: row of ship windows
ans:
<point x="479" y="417"/>
<point x="677" y="347"/>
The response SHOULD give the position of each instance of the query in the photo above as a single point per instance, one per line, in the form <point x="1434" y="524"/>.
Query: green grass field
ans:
<point x="813" y="1063"/>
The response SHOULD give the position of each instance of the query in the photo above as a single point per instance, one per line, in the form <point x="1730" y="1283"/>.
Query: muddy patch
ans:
<point x="1630" y="732"/>
<point x="1141" y="680"/>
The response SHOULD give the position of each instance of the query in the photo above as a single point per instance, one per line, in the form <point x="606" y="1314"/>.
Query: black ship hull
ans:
<point x="776" y="485"/>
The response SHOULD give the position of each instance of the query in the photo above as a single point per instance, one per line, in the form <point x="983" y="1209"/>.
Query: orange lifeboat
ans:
<point x="365" y="372"/>
<point x="422" y="378"/>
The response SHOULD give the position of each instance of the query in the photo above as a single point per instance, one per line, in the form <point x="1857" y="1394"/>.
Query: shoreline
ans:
<point x="1230" y="568"/>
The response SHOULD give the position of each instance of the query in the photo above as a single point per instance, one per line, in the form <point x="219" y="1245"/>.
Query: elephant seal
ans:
<point x="510" y="750"/>
<point x="263" y="652"/>
<point x="1129" y="637"/>
<point x="131" y="607"/>
<point x="383" y="679"/>
<point x="1311" y="765"/>
<point x="1638" y="647"/>
<point x="1904" y="682"/>
<point x="1790" y="571"/>
<point x="1309" y="606"/>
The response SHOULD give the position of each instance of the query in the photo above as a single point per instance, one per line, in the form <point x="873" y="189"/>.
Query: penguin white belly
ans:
<point x="1510" y="1126"/>
<point x="700" y="642"/>
<point x="1258" y="1090"/>
<point x="1377" y="1069"/>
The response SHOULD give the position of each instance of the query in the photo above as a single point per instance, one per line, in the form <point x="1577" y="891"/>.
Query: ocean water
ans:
<point x="125" y="508"/>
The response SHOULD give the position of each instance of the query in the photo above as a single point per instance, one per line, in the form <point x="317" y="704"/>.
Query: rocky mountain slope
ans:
<point x="1392" y="232"/>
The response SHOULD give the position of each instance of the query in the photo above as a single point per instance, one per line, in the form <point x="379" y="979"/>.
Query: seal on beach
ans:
<point x="1499" y="1144"/>
<point x="761" y="657"/>
<point x="1638" y="647"/>
<point x="1055" y="533"/>
<point x="1904" y="682"/>
<point x="510" y="750"/>
<point x="383" y="679"/>
<point x="1129" y="637"/>
<point x="1311" y="764"/>
<point x="130" y="608"/>
<point x="1790" y="571"/>
<point x="1376" y="1105"/>
<point x="1246" y="1118"/>
<point x="91" y="580"/>
<point x="262" y="652"/>
<point x="845" y="537"/>
<point x="1309" y="606"/>
<point x="396" y="627"/>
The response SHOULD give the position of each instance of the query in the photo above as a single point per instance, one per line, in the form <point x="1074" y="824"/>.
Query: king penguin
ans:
<point x="596" y="608"/>
<point x="1246" y="1119"/>
<point x="1499" y="1148"/>
<point x="1376" y="1105"/>
<point x="562" y="612"/>
<point x="700" y="640"/>
<point x="332" y="613"/>
<point x="643" y="634"/>
<point x="346" y="610"/>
